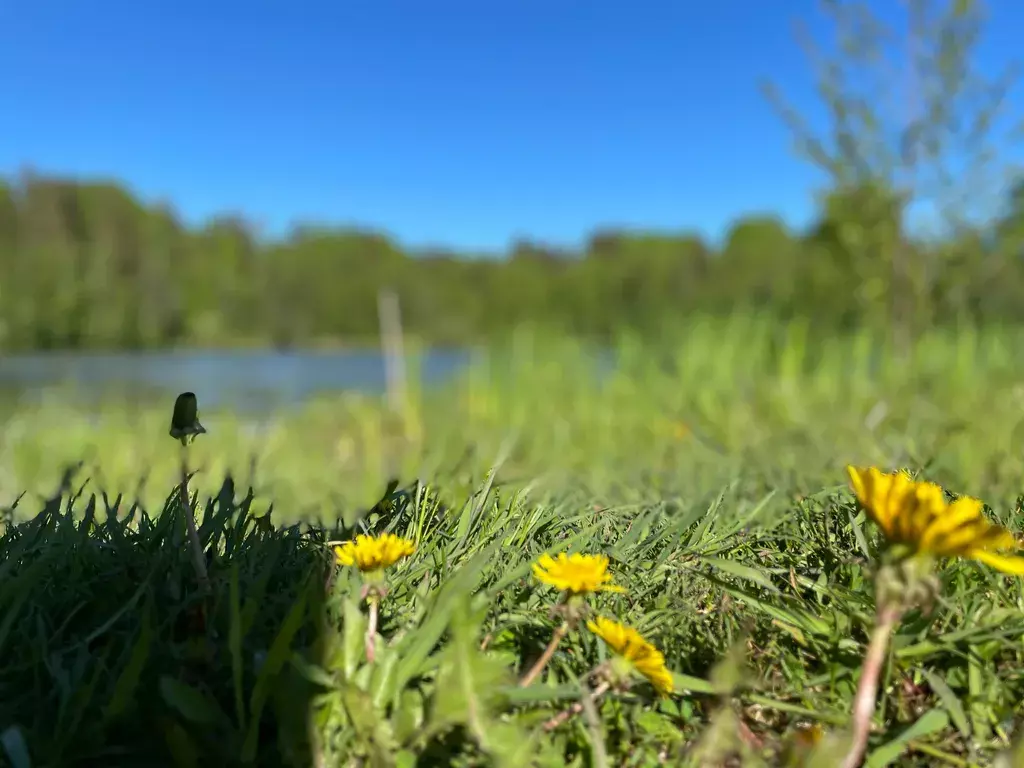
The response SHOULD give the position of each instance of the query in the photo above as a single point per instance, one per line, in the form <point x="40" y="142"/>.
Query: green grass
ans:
<point x="708" y="468"/>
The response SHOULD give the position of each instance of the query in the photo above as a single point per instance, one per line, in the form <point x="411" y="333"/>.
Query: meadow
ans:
<point x="708" y="467"/>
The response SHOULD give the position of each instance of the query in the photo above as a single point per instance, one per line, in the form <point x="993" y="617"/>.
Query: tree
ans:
<point x="914" y="131"/>
<point x="759" y="262"/>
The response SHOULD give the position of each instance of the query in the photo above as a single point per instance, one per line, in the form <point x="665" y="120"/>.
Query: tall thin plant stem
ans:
<point x="198" y="559"/>
<point x="867" y="687"/>
<point x="371" y="630"/>
<point x="545" y="657"/>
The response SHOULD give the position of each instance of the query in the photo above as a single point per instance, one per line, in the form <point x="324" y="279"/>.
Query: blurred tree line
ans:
<point x="86" y="265"/>
<point x="911" y="125"/>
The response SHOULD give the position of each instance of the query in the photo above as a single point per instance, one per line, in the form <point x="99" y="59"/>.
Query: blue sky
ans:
<point x="450" y="122"/>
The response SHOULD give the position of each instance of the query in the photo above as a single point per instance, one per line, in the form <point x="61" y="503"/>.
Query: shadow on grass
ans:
<point x="110" y="654"/>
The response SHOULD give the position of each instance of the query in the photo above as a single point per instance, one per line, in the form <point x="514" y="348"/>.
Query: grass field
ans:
<point x="709" y="468"/>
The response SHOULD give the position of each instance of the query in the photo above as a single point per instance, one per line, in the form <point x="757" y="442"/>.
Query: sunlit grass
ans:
<point x="709" y="469"/>
<point x="715" y="401"/>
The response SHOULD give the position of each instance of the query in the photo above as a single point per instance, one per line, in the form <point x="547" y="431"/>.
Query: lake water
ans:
<point x="240" y="377"/>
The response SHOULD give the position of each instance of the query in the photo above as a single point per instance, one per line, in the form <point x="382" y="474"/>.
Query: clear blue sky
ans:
<point x="453" y="122"/>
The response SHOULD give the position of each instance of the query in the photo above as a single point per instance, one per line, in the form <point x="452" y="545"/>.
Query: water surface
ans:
<point x="241" y="378"/>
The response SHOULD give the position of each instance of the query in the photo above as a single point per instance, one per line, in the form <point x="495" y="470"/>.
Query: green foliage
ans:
<point x="744" y="559"/>
<point x="86" y="266"/>
<point x="914" y="129"/>
<point x="711" y="401"/>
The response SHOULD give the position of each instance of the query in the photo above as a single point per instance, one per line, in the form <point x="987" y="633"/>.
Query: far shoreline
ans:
<point x="324" y="347"/>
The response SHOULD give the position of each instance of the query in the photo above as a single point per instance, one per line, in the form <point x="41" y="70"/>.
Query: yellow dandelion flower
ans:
<point x="371" y="553"/>
<point x="916" y="514"/>
<point x="630" y="645"/>
<point x="578" y="574"/>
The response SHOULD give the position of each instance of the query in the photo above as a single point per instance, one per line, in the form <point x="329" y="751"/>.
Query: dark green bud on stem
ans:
<point x="185" y="419"/>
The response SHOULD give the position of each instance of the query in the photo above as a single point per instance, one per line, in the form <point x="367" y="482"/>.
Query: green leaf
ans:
<point x="184" y="752"/>
<point x="793" y="615"/>
<point x="510" y="746"/>
<point x="930" y="722"/>
<point x="409" y="715"/>
<point x="692" y="684"/>
<point x="128" y="680"/>
<point x="658" y="726"/>
<point x="417" y="646"/>
<point x="950" y="701"/>
<point x="539" y="693"/>
<point x="372" y="729"/>
<point x="858" y="534"/>
<point x="21" y="588"/>
<point x="276" y="658"/>
<point x="353" y="633"/>
<point x="741" y="571"/>
<point x="383" y="677"/>
<point x="755" y="511"/>
<point x="467" y="683"/>
<point x="235" y="632"/>
<point x="190" y="703"/>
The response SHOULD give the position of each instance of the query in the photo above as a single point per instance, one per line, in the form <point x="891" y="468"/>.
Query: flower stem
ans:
<point x="198" y="558"/>
<point x="576" y="708"/>
<point x="545" y="657"/>
<point x="598" y="753"/>
<point x="371" y="630"/>
<point x="867" y="687"/>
